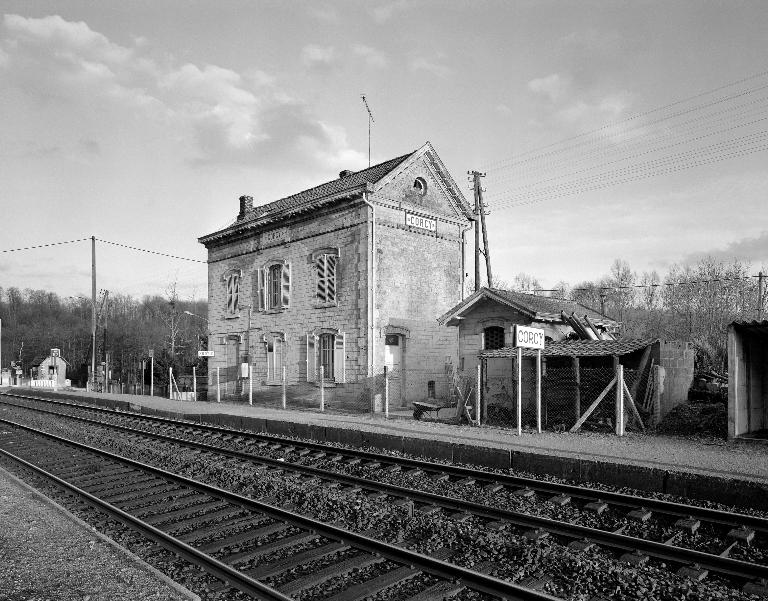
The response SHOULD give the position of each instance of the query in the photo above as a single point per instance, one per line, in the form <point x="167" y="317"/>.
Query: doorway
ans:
<point x="393" y="360"/>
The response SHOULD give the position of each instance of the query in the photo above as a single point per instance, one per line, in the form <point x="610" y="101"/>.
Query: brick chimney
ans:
<point x="246" y="206"/>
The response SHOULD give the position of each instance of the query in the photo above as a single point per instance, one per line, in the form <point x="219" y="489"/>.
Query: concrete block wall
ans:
<point x="676" y="357"/>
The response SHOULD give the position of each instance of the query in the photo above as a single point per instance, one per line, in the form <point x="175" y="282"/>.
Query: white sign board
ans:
<point x="526" y="337"/>
<point x="205" y="353"/>
<point x="55" y="352"/>
<point x="421" y="222"/>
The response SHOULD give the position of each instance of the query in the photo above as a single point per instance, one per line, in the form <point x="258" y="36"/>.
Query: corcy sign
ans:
<point x="526" y="337"/>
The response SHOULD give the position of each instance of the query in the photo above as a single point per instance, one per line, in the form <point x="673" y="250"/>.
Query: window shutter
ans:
<point x="235" y="293"/>
<point x="339" y="357"/>
<point x="330" y="278"/>
<point x="260" y="289"/>
<point x="310" y="357"/>
<point x="286" y="285"/>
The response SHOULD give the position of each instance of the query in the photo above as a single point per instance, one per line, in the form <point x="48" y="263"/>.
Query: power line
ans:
<point x="152" y="252"/>
<point x="495" y="165"/>
<point x="10" y="250"/>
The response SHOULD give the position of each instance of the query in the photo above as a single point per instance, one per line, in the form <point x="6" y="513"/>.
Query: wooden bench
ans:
<point x="420" y="408"/>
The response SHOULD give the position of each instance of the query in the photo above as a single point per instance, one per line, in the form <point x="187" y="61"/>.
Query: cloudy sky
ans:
<point x="632" y="130"/>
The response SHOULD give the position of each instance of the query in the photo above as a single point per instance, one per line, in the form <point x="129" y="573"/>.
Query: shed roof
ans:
<point x="538" y="308"/>
<point x="576" y="348"/>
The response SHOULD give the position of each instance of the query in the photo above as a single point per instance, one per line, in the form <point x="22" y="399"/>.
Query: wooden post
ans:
<point x="194" y="383"/>
<point x="170" y="382"/>
<point x="151" y="375"/>
<point x="284" y="391"/>
<point x="538" y="391"/>
<point x="386" y="392"/>
<point x="577" y="399"/>
<point x="620" y="400"/>
<point x="478" y="411"/>
<point x="478" y="383"/>
<point x="250" y="383"/>
<point x="218" y="385"/>
<point x="322" y="389"/>
<point x="519" y="391"/>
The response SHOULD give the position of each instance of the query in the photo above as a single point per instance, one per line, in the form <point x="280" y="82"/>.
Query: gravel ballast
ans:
<point x="47" y="553"/>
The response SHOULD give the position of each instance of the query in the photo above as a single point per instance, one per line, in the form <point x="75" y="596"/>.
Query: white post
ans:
<point x="194" y="383"/>
<point x="1" y="353"/>
<point x="386" y="392"/>
<point x="478" y="383"/>
<point x="250" y="384"/>
<point x="538" y="390"/>
<point x="151" y="376"/>
<point x="519" y="391"/>
<point x="619" y="400"/>
<point x="218" y="386"/>
<point x="170" y="382"/>
<point x="322" y="390"/>
<point x="284" y="390"/>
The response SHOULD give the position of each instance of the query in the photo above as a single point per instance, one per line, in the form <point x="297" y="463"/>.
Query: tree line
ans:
<point x="692" y="302"/>
<point x="35" y="321"/>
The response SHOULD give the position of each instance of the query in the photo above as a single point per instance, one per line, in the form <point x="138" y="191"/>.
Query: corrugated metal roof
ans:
<point x="576" y="348"/>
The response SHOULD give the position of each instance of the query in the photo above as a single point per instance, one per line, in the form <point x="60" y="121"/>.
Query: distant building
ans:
<point x="346" y="277"/>
<point x="50" y="370"/>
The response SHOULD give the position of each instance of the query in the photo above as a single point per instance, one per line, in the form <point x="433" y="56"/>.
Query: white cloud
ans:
<point x="387" y="9"/>
<point x="422" y="63"/>
<point x="591" y="112"/>
<point x="552" y="86"/>
<point x="230" y="117"/>
<point x="372" y="57"/>
<point x="313" y="55"/>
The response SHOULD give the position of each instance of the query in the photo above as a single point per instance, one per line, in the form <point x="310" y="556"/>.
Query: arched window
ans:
<point x="232" y="283"/>
<point x="493" y="338"/>
<point x="326" y="262"/>
<point x="420" y="186"/>
<point x="273" y="286"/>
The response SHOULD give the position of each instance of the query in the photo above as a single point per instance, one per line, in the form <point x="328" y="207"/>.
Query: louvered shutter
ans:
<point x="285" y="287"/>
<point x="339" y="357"/>
<point x="235" y="293"/>
<point x="330" y="278"/>
<point x="311" y="358"/>
<point x="260" y="289"/>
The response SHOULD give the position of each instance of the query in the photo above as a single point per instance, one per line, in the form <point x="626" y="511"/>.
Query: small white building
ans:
<point x="50" y="371"/>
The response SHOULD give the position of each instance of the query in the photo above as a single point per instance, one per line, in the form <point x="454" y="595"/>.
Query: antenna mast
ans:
<point x="370" y="120"/>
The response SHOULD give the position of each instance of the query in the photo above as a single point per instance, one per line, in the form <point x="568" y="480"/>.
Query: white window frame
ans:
<point x="265" y="300"/>
<point x="339" y="350"/>
<point x="275" y="358"/>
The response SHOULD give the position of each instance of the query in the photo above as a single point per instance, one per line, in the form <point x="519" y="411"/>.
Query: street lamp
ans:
<point x="195" y="315"/>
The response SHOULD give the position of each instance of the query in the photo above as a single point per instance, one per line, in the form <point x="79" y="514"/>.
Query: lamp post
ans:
<point x="194" y="374"/>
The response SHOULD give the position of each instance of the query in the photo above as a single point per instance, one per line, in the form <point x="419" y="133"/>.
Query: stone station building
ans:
<point x="342" y="279"/>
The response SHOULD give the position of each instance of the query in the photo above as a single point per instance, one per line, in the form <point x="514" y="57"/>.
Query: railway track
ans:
<point x="510" y="502"/>
<point x="262" y="550"/>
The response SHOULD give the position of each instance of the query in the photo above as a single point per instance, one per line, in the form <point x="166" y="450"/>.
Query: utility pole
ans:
<point x="93" y="313"/>
<point x="370" y="120"/>
<point x="480" y="223"/>
<point x="760" y="296"/>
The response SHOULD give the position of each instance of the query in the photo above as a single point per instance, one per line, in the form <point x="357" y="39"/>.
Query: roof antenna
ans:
<point x="370" y="120"/>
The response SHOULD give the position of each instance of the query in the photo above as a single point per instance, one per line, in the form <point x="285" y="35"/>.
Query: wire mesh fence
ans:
<point x="569" y="396"/>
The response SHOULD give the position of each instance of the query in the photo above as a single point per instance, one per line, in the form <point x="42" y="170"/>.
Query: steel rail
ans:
<point x="610" y="540"/>
<point x="470" y="578"/>
<point x="210" y="564"/>
<point x="671" y="508"/>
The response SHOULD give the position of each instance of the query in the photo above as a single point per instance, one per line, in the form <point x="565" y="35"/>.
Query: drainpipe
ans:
<point x="372" y="289"/>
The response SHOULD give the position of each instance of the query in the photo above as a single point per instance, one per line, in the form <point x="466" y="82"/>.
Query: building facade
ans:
<point x="341" y="280"/>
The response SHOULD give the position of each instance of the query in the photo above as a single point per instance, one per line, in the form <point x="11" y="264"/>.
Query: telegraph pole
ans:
<point x="93" y="313"/>
<point x="480" y="223"/>
<point x="760" y="296"/>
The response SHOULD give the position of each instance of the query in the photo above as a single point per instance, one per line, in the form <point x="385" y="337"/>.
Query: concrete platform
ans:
<point x="733" y="473"/>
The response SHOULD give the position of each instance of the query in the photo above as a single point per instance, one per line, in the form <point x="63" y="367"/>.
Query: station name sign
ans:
<point x="205" y="353"/>
<point x="421" y="222"/>
<point x="526" y="337"/>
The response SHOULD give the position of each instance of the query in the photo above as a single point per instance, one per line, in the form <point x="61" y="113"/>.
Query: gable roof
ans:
<point x="352" y="184"/>
<point x="538" y="308"/>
